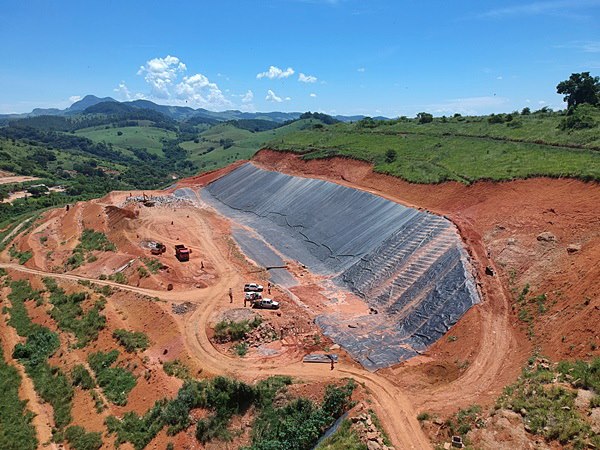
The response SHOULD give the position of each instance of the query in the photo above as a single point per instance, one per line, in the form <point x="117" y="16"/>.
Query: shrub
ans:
<point x="240" y="349"/>
<point x="153" y="264"/>
<point x="69" y="315"/>
<point x="16" y="430"/>
<point x="390" y="156"/>
<point x="228" y="330"/>
<point x="131" y="340"/>
<point x="81" y="377"/>
<point x="176" y="369"/>
<point x="579" y="118"/>
<point x="79" y="439"/>
<point x="424" y="117"/>
<point x="116" y="382"/>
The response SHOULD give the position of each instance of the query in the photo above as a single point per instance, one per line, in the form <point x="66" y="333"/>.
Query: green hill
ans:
<point x="464" y="149"/>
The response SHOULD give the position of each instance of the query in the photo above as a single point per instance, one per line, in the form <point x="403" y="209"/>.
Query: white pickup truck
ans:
<point x="253" y="287"/>
<point x="265" y="303"/>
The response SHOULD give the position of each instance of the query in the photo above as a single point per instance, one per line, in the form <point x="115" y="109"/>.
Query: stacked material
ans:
<point x="409" y="266"/>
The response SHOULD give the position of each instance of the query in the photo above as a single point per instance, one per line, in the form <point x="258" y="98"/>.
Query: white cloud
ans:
<point x="169" y="84"/>
<point x="123" y="91"/>
<point x="313" y="95"/>
<point x="361" y="69"/>
<point x="272" y="97"/>
<point x="306" y="78"/>
<point x="74" y="98"/>
<point x="499" y="77"/>
<point x="248" y="97"/>
<point x="287" y="99"/>
<point x="160" y="73"/>
<point x="540" y="7"/>
<point x="276" y="72"/>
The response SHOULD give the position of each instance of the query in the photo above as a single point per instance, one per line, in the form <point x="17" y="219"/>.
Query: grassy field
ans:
<point x="148" y="138"/>
<point x="461" y="149"/>
<point x="211" y="153"/>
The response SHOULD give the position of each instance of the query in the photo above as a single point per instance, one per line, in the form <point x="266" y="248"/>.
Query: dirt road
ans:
<point x="392" y="405"/>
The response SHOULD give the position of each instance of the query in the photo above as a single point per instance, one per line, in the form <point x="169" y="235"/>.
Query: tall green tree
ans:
<point x="580" y="88"/>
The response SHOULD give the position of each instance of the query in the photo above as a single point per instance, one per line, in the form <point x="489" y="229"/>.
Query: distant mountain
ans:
<point x="179" y="113"/>
<point x="87" y="101"/>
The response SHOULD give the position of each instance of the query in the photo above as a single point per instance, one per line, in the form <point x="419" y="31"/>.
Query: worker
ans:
<point x="202" y="264"/>
<point x="269" y="287"/>
<point x="230" y="295"/>
<point x="331" y="356"/>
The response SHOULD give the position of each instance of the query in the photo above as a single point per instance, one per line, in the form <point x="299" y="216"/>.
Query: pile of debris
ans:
<point x="369" y="433"/>
<point x="183" y="308"/>
<point x="161" y="200"/>
<point x="262" y="334"/>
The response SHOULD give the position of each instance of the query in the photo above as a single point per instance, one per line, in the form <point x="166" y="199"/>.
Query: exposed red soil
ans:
<point x="499" y="223"/>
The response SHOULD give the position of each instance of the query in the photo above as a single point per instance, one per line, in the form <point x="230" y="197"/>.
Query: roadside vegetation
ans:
<point x="89" y="242"/>
<point x="296" y="425"/>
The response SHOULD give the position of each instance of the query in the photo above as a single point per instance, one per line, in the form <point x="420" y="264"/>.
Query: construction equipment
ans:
<point x="157" y="248"/>
<point x="182" y="253"/>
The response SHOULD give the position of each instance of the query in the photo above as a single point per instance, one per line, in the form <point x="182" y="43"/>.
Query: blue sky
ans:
<point x="336" y="56"/>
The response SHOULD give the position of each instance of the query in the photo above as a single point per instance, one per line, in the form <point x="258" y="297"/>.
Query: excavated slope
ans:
<point x="409" y="266"/>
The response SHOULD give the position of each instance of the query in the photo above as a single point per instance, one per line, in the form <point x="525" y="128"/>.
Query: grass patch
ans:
<point x="462" y="149"/>
<point x="89" y="241"/>
<point x="153" y="265"/>
<point x="118" y="277"/>
<point x="116" y="382"/>
<point x="131" y="340"/>
<point x="69" y="315"/>
<point x="16" y="430"/>
<point x="228" y="330"/>
<point x="464" y="420"/>
<point x="177" y="369"/>
<point x="345" y="438"/>
<point x="548" y="409"/>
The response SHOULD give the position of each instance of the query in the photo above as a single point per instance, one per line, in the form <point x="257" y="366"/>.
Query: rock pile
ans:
<point x="183" y="308"/>
<point x="161" y="200"/>
<point x="262" y="334"/>
<point x="369" y="433"/>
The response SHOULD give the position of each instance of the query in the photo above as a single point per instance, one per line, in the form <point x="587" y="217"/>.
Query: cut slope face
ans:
<point x="408" y="266"/>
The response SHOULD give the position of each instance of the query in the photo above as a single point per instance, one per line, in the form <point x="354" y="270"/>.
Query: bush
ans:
<point x="116" y="382"/>
<point x="79" y="439"/>
<point x="50" y="382"/>
<point x="81" y="377"/>
<point x="424" y="117"/>
<point x="95" y="240"/>
<point x="228" y="330"/>
<point x="153" y="264"/>
<point x="131" y="340"/>
<point x="69" y="315"/>
<point x="579" y="118"/>
<point x="345" y="438"/>
<point x="390" y="156"/>
<point x="16" y="430"/>
<point x="176" y="369"/>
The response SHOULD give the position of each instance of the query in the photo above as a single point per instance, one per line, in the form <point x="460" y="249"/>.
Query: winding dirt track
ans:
<point x="392" y="405"/>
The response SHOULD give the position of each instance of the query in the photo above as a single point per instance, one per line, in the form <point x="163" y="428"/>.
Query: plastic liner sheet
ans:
<point x="409" y="266"/>
<point x="257" y="250"/>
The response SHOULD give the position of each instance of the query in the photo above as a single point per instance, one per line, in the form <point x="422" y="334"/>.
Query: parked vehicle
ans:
<point x="266" y="303"/>
<point x="251" y="296"/>
<point x="182" y="253"/>
<point x="253" y="287"/>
